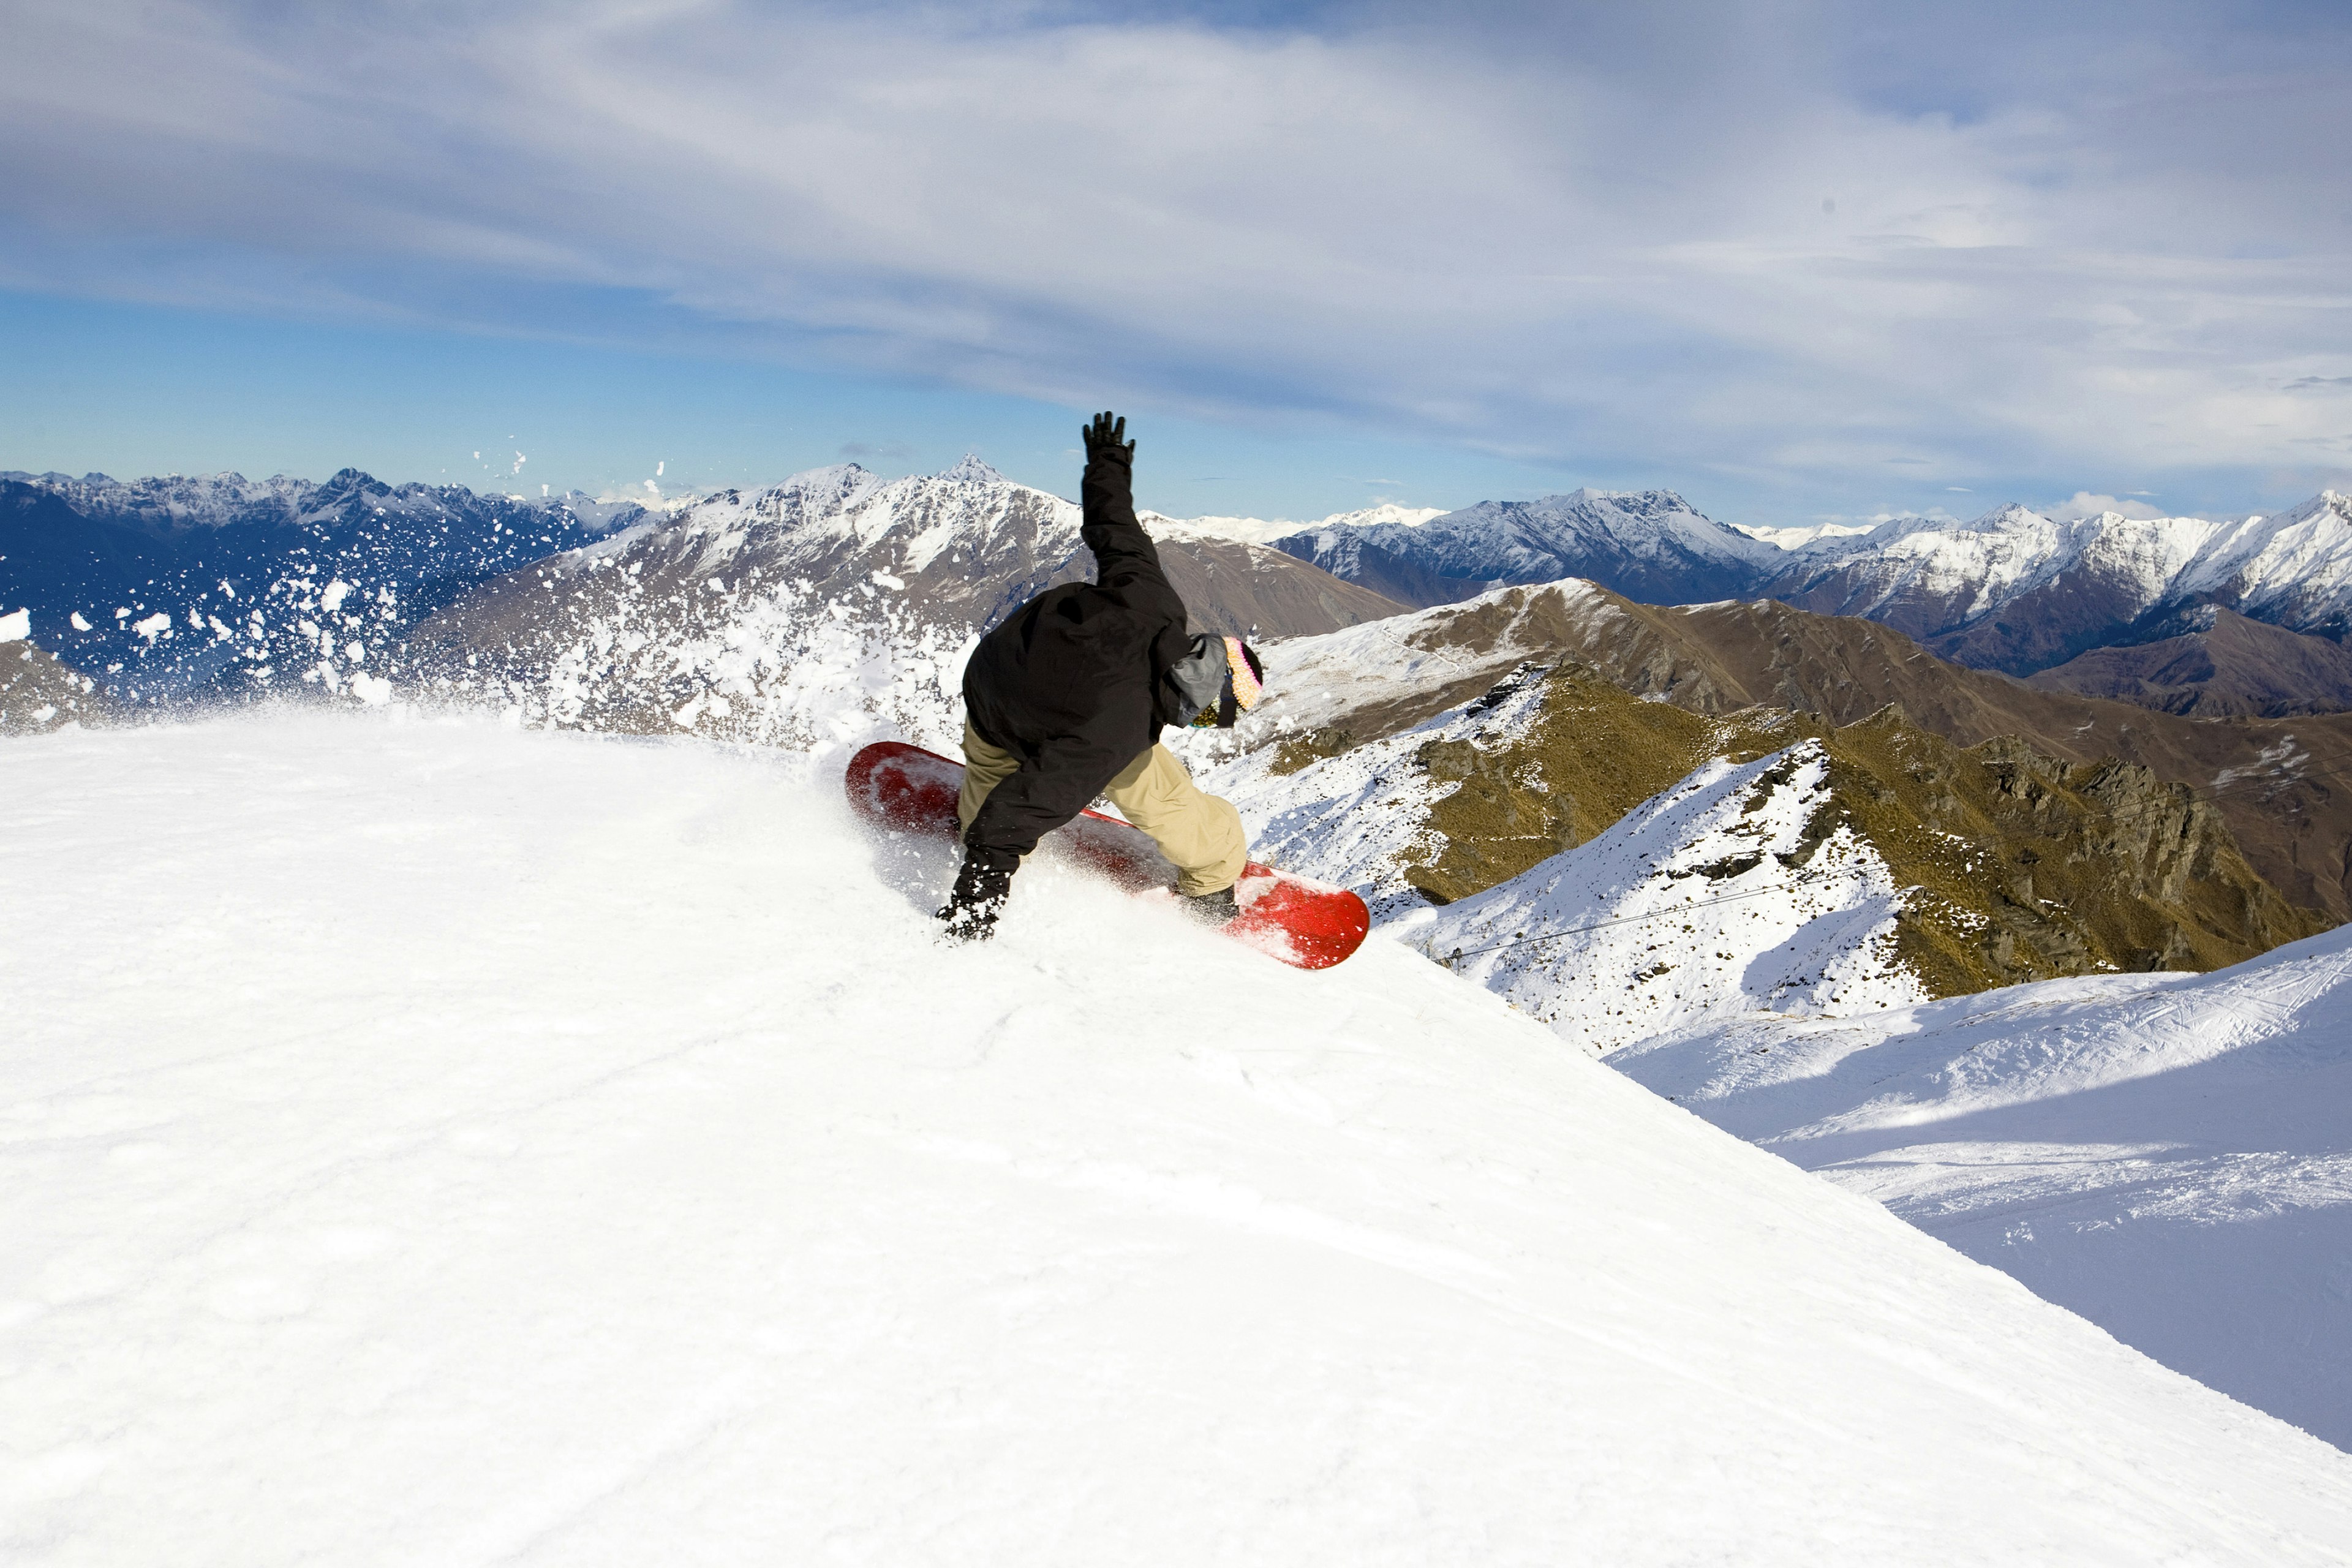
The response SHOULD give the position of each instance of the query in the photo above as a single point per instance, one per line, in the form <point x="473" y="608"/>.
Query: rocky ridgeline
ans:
<point x="2009" y="865"/>
<point x="619" y="635"/>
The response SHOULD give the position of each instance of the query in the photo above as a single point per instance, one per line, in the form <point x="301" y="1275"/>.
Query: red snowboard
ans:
<point x="1309" y="924"/>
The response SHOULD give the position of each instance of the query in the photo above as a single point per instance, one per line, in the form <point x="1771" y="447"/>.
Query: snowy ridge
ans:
<point x="2167" y="1154"/>
<point x="1265" y="531"/>
<point x="178" y="500"/>
<point x="1794" y="538"/>
<point x="1710" y="901"/>
<point x="2293" y="568"/>
<point x="1716" y="898"/>
<point x="2020" y="591"/>
<point x="2068" y="584"/>
<point x="967" y="527"/>
<point x="177" y="503"/>
<point x="1311" y="679"/>
<point x="620" y="1171"/>
<point x="217" y="585"/>
<point x="1974" y="569"/>
<point x="1519" y="540"/>
<point x="1642" y="535"/>
<point x="730" y="518"/>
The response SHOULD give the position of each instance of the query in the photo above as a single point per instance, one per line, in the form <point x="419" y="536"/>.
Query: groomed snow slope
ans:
<point x="431" y="1142"/>
<point x="2169" y="1154"/>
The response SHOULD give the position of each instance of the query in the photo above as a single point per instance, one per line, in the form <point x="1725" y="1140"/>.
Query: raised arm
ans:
<point x="1125" y="557"/>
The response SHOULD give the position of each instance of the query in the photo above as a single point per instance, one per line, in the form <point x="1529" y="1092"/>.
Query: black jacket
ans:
<point x="1074" y="682"/>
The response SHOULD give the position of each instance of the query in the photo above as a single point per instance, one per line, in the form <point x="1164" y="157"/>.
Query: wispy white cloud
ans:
<point x="2083" y="503"/>
<point x="1690" y="234"/>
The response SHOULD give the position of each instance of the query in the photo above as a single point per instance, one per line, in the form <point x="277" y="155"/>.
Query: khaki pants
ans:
<point x="1201" y="835"/>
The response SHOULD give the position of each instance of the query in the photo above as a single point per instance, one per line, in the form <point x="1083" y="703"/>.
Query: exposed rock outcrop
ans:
<point x="39" y="694"/>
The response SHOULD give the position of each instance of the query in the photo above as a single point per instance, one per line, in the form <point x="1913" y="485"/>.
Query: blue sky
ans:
<point x="1795" y="260"/>
<point x="137" y="389"/>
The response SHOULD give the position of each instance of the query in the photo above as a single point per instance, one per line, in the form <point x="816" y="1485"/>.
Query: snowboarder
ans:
<point x="1065" y="701"/>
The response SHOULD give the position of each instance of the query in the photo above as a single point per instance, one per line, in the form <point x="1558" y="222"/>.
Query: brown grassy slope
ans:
<point x="2284" y="786"/>
<point x="2235" y="665"/>
<point x="2027" y="867"/>
<point x="1245" y="590"/>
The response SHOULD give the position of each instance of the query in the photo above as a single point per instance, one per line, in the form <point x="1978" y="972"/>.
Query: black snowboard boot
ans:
<point x="978" y="896"/>
<point x="1212" y="909"/>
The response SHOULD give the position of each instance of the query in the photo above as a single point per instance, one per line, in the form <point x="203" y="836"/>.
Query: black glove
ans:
<point x="979" y="896"/>
<point x="1106" y="437"/>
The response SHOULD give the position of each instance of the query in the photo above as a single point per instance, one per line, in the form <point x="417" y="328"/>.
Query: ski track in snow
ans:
<point x="428" y="1140"/>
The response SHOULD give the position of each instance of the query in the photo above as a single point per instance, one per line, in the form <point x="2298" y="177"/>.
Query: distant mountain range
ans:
<point x="1647" y="544"/>
<point x="161" y="586"/>
<point x="2013" y="591"/>
<point x="165" y="586"/>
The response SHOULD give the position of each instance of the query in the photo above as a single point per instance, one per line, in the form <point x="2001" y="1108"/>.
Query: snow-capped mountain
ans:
<point x="2013" y="590"/>
<point x="1265" y="531"/>
<point x="2168" y="1155"/>
<point x="168" y="585"/>
<point x="497" y="1146"/>
<point x="1645" y="544"/>
<point x="2018" y="592"/>
<point x="2291" y="569"/>
<point x="955" y="549"/>
<point x="1798" y="537"/>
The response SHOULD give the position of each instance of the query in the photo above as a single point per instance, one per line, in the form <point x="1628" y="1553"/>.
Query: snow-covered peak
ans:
<point x="2011" y="517"/>
<point x="1563" y="531"/>
<point x="969" y="470"/>
<point x="1798" y="537"/>
<point x="1387" y="514"/>
<point x="964" y="539"/>
<point x="1647" y="544"/>
<point x="173" y="503"/>
<point x="1265" y="531"/>
<point x="2293" y="567"/>
<point x="1972" y="568"/>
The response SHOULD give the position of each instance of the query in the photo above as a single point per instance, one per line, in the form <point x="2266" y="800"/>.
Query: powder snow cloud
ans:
<point x="1781" y="241"/>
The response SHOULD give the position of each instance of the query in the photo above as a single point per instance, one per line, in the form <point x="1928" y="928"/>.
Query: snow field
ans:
<point x="433" y="1141"/>
<point x="2169" y="1154"/>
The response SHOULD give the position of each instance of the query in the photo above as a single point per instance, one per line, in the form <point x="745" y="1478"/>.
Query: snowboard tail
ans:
<point x="1303" y="922"/>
